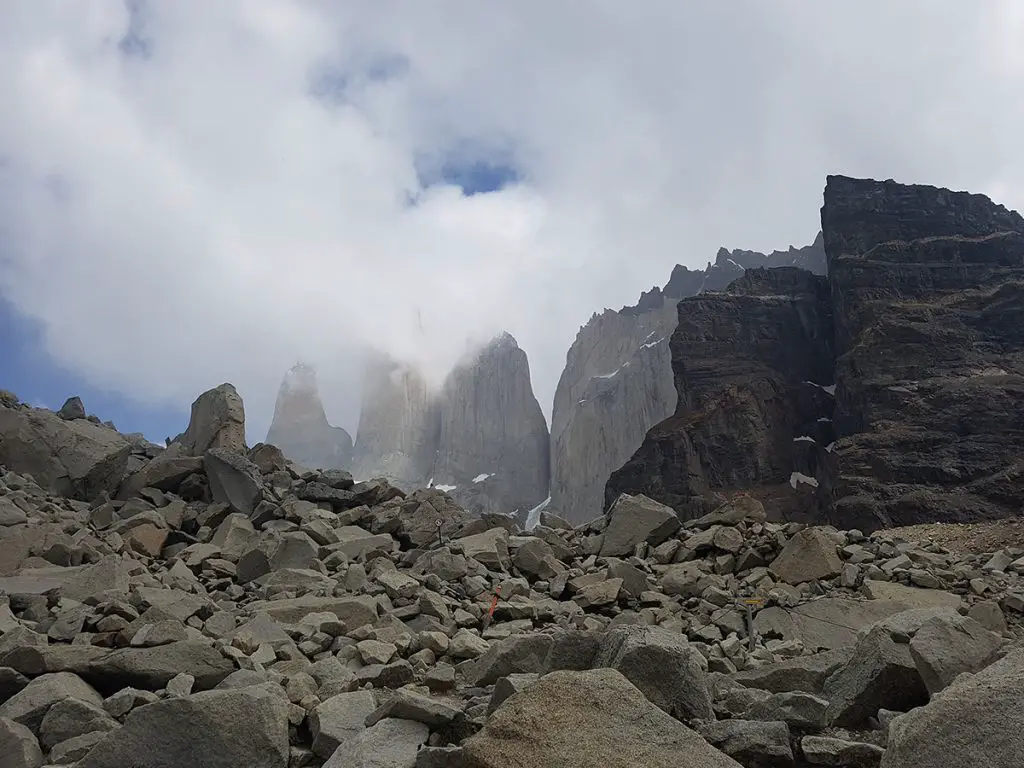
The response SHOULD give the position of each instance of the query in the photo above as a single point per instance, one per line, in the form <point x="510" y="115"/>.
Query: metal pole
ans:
<point x="751" y="640"/>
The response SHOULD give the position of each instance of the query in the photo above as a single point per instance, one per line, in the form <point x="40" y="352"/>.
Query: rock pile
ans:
<point x="223" y="607"/>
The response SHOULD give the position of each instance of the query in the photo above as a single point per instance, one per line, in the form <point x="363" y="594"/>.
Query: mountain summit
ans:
<point x="300" y="427"/>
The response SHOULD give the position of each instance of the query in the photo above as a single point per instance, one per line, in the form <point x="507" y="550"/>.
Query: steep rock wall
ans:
<point x="300" y="427"/>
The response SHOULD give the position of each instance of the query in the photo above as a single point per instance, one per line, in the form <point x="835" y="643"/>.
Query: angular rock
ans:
<point x="70" y="458"/>
<point x="18" y="745"/>
<point x="489" y="548"/>
<point x="408" y="705"/>
<point x="840" y="753"/>
<point x="339" y="719"/>
<point x="977" y="720"/>
<point x="584" y="719"/>
<point x="662" y="665"/>
<point x="391" y="743"/>
<point x="946" y="646"/>
<point x="880" y="674"/>
<point x="808" y="556"/>
<point x="214" y="729"/>
<point x="635" y="519"/>
<point x="152" y="668"/>
<point x="217" y="422"/>
<point x="30" y="705"/>
<point x="234" y="480"/>
<point x="749" y="742"/>
<point x="804" y="673"/>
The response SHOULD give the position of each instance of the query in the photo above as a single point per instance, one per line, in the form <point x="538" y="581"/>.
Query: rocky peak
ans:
<point x="492" y="450"/>
<point x="397" y="432"/>
<point x="300" y="427"/>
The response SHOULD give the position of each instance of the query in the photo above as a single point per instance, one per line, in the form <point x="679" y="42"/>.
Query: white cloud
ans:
<point x="197" y="216"/>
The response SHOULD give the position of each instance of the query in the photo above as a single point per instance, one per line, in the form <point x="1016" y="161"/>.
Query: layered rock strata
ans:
<point x="618" y="381"/>
<point x="751" y="367"/>
<point x="918" y="336"/>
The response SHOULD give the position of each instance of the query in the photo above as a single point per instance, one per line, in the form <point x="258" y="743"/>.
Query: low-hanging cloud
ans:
<point x="195" y="191"/>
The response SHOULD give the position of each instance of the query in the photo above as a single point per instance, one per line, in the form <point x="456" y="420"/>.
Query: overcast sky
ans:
<point x="196" y="191"/>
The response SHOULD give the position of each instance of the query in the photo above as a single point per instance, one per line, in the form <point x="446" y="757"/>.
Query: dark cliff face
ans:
<point x="928" y="289"/>
<point x="300" y="428"/>
<point x="618" y="382"/>
<point x="492" y="452"/>
<point x="918" y="332"/>
<point x="751" y="370"/>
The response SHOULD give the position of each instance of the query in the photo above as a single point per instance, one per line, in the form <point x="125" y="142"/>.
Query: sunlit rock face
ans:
<point x="300" y="427"/>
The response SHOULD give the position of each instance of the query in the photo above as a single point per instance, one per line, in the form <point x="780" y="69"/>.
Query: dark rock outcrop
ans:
<point x="919" y="334"/>
<point x="492" y="450"/>
<point x="928" y="290"/>
<point x="300" y="428"/>
<point x="750" y="366"/>
<point x="618" y="381"/>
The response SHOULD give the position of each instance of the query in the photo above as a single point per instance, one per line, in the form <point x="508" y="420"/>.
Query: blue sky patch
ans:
<point x="27" y="370"/>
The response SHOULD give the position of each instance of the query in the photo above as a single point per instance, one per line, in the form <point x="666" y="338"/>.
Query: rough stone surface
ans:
<point x="742" y="360"/>
<point x="662" y="665"/>
<point x="636" y="519"/>
<point x="583" y="719"/>
<point x="808" y="556"/>
<point x="72" y="458"/>
<point x="215" y="729"/>
<point x="977" y="720"/>
<point x="618" y="380"/>
<point x="884" y="395"/>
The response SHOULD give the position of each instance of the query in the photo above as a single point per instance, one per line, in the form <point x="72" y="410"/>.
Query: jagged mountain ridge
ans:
<point x="617" y="382"/>
<point x="918" y="394"/>
<point x="300" y="427"/>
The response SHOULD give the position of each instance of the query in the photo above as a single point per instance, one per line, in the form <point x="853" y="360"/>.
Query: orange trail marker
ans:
<point x="494" y="603"/>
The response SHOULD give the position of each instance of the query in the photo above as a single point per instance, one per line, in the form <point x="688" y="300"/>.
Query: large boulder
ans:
<point x="808" y="556"/>
<point x="585" y="719"/>
<point x="976" y="721"/>
<point x="152" y="668"/>
<point x="948" y="645"/>
<point x="217" y="422"/>
<point x="72" y="458"/>
<point x="234" y="480"/>
<point x="663" y="665"/>
<point x="880" y="675"/>
<point x="636" y="519"/>
<point x="215" y="729"/>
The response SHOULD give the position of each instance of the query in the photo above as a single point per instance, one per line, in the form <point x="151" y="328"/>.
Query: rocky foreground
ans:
<point x="223" y="608"/>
